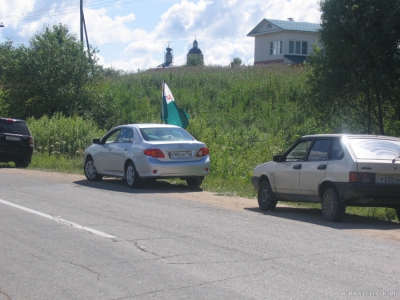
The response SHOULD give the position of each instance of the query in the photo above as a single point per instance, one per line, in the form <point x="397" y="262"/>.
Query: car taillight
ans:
<point x="362" y="177"/>
<point x="203" y="152"/>
<point x="157" y="153"/>
<point x="31" y="141"/>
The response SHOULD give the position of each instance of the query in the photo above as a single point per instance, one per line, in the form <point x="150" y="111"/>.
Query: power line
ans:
<point x="67" y="9"/>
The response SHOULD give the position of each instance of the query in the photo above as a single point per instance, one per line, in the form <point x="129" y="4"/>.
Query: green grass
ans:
<point x="57" y="163"/>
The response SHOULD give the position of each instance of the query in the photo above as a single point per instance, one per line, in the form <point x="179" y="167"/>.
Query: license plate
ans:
<point x="13" y="138"/>
<point x="389" y="179"/>
<point x="180" y="154"/>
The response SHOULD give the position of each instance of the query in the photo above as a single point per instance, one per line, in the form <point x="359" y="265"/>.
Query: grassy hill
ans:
<point x="244" y="115"/>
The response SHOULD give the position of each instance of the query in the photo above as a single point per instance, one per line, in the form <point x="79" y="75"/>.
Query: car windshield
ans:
<point x="364" y="148"/>
<point x="165" y="134"/>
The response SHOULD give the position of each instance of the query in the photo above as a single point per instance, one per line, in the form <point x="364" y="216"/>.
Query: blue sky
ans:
<point x="133" y="34"/>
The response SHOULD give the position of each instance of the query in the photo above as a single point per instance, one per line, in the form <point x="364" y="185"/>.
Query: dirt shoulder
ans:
<point x="351" y="223"/>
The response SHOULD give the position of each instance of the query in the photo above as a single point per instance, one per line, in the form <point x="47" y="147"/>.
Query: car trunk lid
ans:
<point x="178" y="151"/>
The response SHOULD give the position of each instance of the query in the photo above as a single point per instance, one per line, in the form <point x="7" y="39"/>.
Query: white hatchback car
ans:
<point x="336" y="170"/>
<point x="147" y="151"/>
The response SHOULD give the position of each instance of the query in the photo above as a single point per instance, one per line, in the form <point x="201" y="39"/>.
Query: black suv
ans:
<point x="16" y="142"/>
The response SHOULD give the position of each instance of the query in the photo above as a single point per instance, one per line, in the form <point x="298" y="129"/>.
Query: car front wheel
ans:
<point x="131" y="176"/>
<point x="266" y="199"/>
<point x="332" y="208"/>
<point x="90" y="170"/>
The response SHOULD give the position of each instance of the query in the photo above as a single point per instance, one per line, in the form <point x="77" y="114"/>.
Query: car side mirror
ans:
<point x="96" y="141"/>
<point x="278" y="158"/>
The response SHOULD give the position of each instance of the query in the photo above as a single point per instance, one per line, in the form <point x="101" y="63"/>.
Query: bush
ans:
<point x="60" y="135"/>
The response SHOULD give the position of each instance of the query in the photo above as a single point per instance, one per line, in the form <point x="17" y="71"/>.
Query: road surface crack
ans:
<point x="189" y="286"/>
<point x="4" y="294"/>
<point x="84" y="267"/>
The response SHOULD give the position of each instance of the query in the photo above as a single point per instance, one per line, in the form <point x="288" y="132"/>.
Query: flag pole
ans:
<point x="162" y="101"/>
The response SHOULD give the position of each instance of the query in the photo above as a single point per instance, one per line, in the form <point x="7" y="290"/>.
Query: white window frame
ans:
<point x="275" y="48"/>
<point x="298" y="47"/>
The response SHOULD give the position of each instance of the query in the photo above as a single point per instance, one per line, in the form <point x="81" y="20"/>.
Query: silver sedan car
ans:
<point x="147" y="151"/>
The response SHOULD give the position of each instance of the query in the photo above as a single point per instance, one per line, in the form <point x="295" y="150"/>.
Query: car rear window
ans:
<point x="375" y="148"/>
<point x="165" y="134"/>
<point x="16" y="127"/>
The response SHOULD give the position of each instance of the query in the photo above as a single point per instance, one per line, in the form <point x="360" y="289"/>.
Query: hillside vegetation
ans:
<point x="244" y="115"/>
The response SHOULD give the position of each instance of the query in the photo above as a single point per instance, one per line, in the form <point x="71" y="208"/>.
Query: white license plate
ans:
<point x="180" y="154"/>
<point x="13" y="138"/>
<point x="389" y="179"/>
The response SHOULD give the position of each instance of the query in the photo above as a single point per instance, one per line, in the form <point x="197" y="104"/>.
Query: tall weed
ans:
<point x="60" y="135"/>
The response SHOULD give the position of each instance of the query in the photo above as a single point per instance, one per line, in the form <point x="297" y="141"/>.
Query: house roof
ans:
<point x="278" y="25"/>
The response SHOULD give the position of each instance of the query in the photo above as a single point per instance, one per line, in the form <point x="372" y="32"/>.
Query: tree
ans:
<point x="53" y="74"/>
<point x="356" y="72"/>
<point x="236" y="62"/>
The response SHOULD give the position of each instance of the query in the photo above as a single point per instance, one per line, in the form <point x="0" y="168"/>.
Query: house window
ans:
<point x="298" y="47"/>
<point x="276" y="48"/>
<point x="269" y="26"/>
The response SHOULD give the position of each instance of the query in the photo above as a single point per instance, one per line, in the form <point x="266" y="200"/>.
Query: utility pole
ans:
<point x="83" y="26"/>
<point x="81" y="10"/>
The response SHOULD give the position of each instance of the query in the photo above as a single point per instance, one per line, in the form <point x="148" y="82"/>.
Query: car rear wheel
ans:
<point x="131" y="176"/>
<point x="21" y="164"/>
<point x="194" y="182"/>
<point x="266" y="199"/>
<point x="90" y="170"/>
<point x="332" y="208"/>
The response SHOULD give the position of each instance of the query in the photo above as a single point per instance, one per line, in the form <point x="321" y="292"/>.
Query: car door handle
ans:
<point x="109" y="148"/>
<point x="297" y="167"/>
<point x="321" y="167"/>
<point x="126" y="148"/>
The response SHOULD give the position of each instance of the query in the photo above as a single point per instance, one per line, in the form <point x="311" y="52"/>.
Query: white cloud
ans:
<point x="15" y="8"/>
<point x="134" y="64"/>
<point x="104" y="29"/>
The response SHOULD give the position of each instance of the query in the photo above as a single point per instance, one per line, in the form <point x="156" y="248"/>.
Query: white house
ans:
<point x="283" y="42"/>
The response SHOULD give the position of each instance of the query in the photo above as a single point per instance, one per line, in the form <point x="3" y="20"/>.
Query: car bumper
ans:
<point x="369" y="194"/>
<point x="157" y="169"/>
<point x="15" y="154"/>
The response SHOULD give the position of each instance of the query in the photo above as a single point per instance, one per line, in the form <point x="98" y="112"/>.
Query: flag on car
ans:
<point x="170" y="113"/>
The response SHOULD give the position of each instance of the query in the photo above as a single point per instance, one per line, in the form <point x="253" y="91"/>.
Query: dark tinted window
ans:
<point x="16" y="127"/>
<point x="337" y="150"/>
<point x="319" y="151"/>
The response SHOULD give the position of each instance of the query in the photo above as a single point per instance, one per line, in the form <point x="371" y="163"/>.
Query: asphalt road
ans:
<point x="62" y="237"/>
